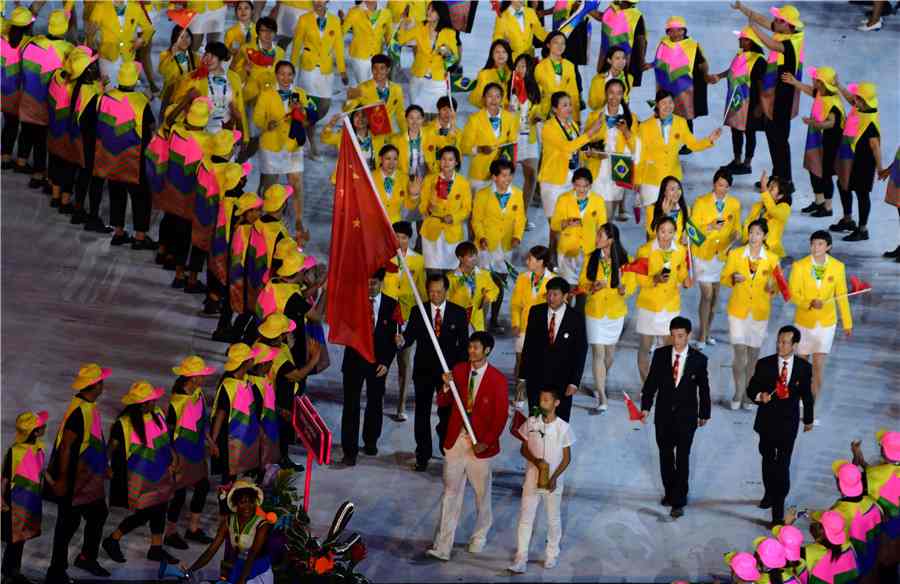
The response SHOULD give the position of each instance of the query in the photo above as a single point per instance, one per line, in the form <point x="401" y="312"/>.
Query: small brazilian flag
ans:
<point x="693" y="232"/>
<point x="622" y="170"/>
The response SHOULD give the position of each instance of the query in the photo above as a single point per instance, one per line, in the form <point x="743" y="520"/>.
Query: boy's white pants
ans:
<point x="528" y="510"/>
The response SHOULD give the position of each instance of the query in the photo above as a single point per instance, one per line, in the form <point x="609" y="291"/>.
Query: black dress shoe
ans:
<point x="66" y="209"/>
<point x="121" y="239"/>
<point x="37" y="183"/>
<point x="79" y="217"/>
<point x="54" y="203"/>
<point x="665" y="502"/>
<point x="113" y="550"/>
<point x="842" y="225"/>
<point x="348" y="461"/>
<point x="894" y="253"/>
<point x="211" y="307"/>
<point x="198" y="536"/>
<point x="24" y="169"/>
<point x="288" y="463"/>
<point x="93" y="567"/>
<point x="146" y="243"/>
<point x="421" y="467"/>
<point x="858" y="235"/>
<point x="178" y="283"/>
<point x="822" y="212"/>
<point x="195" y="288"/>
<point x="58" y="577"/>
<point x="7" y="165"/>
<point x="814" y="206"/>
<point x="764" y="503"/>
<point x="174" y="541"/>
<point x="156" y="553"/>
<point x="742" y="169"/>
<point x="97" y="225"/>
<point x="370" y="451"/>
<point x="676" y="512"/>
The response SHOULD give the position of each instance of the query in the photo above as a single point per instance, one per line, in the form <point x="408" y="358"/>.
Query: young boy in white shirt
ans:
<point x="547" y="448"/>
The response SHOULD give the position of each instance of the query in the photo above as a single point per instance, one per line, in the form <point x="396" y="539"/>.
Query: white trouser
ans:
<point x="527" y="512"/>
<point x="461" y="464"/>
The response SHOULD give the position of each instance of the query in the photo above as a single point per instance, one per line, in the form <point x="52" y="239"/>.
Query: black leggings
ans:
<point x="175" y="234"/>
<point x="737" y="144"/>
<point x="86" y="184"/>
<point x="778" y="135"/>
<point x="825" y="186"/>
<point x="62" y="173"/>
<point x="155" y="515"/>
<point x="34" y="136"/>
<point x="140" y="205"/>
<point x="9" y="134"/>
<point x="198" y="500"/>
<point x="12" y="558"/>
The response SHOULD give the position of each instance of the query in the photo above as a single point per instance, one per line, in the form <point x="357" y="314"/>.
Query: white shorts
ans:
<point x="526" y="150"/>
<point x="550" y="193"/>
<point x="317" y="84"/>
<point x="283" y="162"/>
<point x="815" y="340"/>
<point x="439" y="255"/>
<point x="654" y="324"/>
<point x="495" y="260"/>
<point x="287" y="20"/>
<point x="211" y="21"/>
<point x="603" y="331"/>
<point x="569" y="267"/>
<point x="746" y="331"/>
<point x="648" y="195"/>
<point x="520" y="341"/>
<point x="426" y="92"/>
<point x="360" y="70"/>
<point x="708" y="271"/>
<point x="606" y="186"/>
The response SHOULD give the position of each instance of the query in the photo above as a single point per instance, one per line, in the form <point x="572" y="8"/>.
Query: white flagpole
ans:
<point x="425" y="317"/>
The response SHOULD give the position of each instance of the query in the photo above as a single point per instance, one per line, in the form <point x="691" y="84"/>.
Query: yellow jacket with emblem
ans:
<point x="270" y="108"/>
<point x="550" y="83"/>
<point x="399" y="199"/>
<point x="395" y="104"/>
<point x="606" y="302"/>
<point x="369" y="38"/>
<point x="527" y="292"/>
<point x="473" y="293"/>
<point x="428" y="61"/>
<point x="314" y="49"/>
<point x="665" y="296"/>
<point x="117" y="36"/>
<point x="479" y="132"/>
<point x="622" y="144"/>
<point x="659" y="159"/>
<point x="520" y="38"/>
<point x="597" y="92"/>
<point x="704" y="214"/>
<point x="485" y="78"/>
<point x="804" y="290"/>
<point x="397" y="286"/>
<point x="580" y="238"/>
<point x="776" y="216"/>
<point x="433" y="141"/>
<point x="458" y="204"/>
<point x="557" y="150"/>
<point x="256" y="77"/>
<point x="752" y="297"/>
<point x="498" y="226"/>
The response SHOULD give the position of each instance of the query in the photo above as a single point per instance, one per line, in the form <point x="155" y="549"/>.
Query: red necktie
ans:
<point x="781" y="390"/>
<point x="437" y="322"/>
<point x="675" y="369"/>
<point x="551" y="331"/>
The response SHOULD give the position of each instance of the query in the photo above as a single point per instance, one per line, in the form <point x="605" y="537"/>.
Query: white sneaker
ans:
<point x="522" y="406"/>
<point x="866" y="28"/>
<point x="816" y="422"/>
<point x="437" y="555"/>
<point x="710" y="341"/>
<point x="735" y="405"/>
<point x="401" y="417"/>
<point x="551" y="562"/>
<point x="531" y="227"/>
<point x="519" y="566"/>
<point x="603" y="407"/>
<point x="747" y="406"/>
<point x="476" y="546"/>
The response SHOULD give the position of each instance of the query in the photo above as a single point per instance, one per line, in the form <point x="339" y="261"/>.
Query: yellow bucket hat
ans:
<point x="240" y="486"/>
<point x="142" y="392"/>
<point x="193" y="366"/>
<point x="868" y="92"/>
<point x="21" y="16"/>
<point x="238" y="354"/>
<point x="27" y="423"/>
<point x="676" y="22"/>
<point x="223" y="142"/>
<point x="198" y="114"/>
<point x="78" y="61"/>
<point x="290" y="265"/>
<point x="58" y="24"/>
<point x="275" y="325"/>
<point x="89" y="374"/>
<point x="231" y="175"/>
<point x="789" y="14"/>
<point x="248" y="201"/>
<point x="128" y="74"/>
<point x="827" y="76"/>
<point x="749" y="34"/>
<point x="285" y="247"/>
<point x="275" y="197"/>
<point x="264" y="353"/>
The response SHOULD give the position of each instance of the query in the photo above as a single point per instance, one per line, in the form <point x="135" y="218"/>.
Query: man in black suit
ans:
<point x="555" y="348"/>
<point x="678" y="375"/>
<point x="357" y="370"/>
<point x="778" y="384"/>
<point x="451" y="326"/>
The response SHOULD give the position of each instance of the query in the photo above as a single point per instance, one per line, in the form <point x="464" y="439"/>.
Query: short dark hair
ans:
<point x="485" y="338"/>
<point x="542" y="253"/>
<point x="414" y="108"/>
<point x="680" y="323"/>
<point x="442" y="278"/>
<point x="281" y="64"/>
<point x="498" y="165"/>
<point x="551" y="390"/>
<point x="382" y="59"/>
<point x="404" y="227"/>
<point x="218" y="50"/>
<point x="660" y="95"/>
<point x="453" y="150"/>
<point x="379" y="274"/>
<point x="789" y="328"/>
<point x="582" y="173"/>
<point x="558" y="283"/>
<point x="450" y="102"/>
<point x="761" y="223"/>
<point x="556" y="97"/>
<point x="387" y="148"/>
<point x="723" y="173"/>
<point x="267" y="22"/>
<point x="465" y="248"/>
<point x="490" y="86"/>
<point x="820" y="234"/>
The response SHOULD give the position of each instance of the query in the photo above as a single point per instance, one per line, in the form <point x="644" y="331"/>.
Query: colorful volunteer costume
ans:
<point x="238" y="439"/>
<point x="622" y="26"/>
<point x="679" y="70"/>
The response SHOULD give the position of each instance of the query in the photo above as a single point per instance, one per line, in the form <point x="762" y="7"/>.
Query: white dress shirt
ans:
<point x="443" y="309"/>
<point x="681" y="359"/>
<point x="790" y="368"/>
<point x="376" y="306"/>
<point x="559" y="312"/>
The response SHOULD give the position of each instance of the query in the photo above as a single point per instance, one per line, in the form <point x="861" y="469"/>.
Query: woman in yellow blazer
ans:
<point x="659" y="300"/>
<point x="436" y="51"/>
<point x="819" y="282"/>
<point x="606" y="287"/>
<point x="471" y="287"/>
<point x="369" y="143"/>
<point x="225" y="91"/>
<point x="749" y="273"/>
<point x="123" y="28"/>
<point x="578" y="215"/>
<point x="441" y="131"/>
<point x="485" y="132"/>
<point x="380" y="89"/>
<point x="255" y="62"/>
<point x="176" y="62"/>
<point x="409" y="143"/>
<point x="530" y="289"/>
<point x="613" y="68"/>
<point x="660" y="139"/>
<point x="445" y="204"/>
<point x="718" y="216"/>
<point x="519" y="25"/>
<point x="397" y="192"/>
<point x="371" y="29"/>
<point x="242" y="32"/>
<point x="775" y="207"/>
<point x="555" y="73"/>
<point x="496" y="70"/>
<point x="669" y="202"/>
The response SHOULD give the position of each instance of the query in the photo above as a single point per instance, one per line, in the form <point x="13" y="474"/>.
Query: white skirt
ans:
<point x="606" y="186"/>
<point x="815" y="340"/>
<point x="283" y="162"/>
<point x="708" y="271"/>
<point x="603" y="331"/>
<point x="494" y="260"/>
<point x="550" y="193"/>
<point x="649" y="194"/>
<point x="360" y="70"/>
<point x="211" y="21"/>
<point x="654" y="324"/>
<point x="439" y="255"/>
<point x="426" y="92"/>
<point x="526" y="150"/>
<point x="569" y="267"/>
<point x="316" y="83"/>
<point x="287" y="20"/>
<point x="746" y="331"/>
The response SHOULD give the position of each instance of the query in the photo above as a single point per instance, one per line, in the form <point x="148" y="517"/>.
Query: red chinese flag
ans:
<point x="857" y="285"/>
<point x="379" y="121"/>
<point x="633" y="413"/>
<point x="259" y="58"/>
<point x="182" y="17"/>
<point x="362" y="241"/>
<point x="517" y="420"/>
<point x="639" y="266"/>
<point x="782" y="283"/>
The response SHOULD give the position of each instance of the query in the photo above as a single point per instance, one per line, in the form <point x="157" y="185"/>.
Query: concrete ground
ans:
<point x="68" y="297"/>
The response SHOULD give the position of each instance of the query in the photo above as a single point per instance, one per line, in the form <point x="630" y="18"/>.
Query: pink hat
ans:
<point x="890" y="444"/>
<point x="792" y="540"/>
<point x="833" y="524"/>
<point x="770" y="552"/>
<point x="744" y="566"/>
<point x="849" y="478"/>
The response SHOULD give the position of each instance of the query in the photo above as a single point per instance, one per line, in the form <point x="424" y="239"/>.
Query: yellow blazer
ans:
<point x="395" y="103"/>
<point x="547" y="81"/>
<point x="237" y="94"/>
<point x="117" y="39"/>
<point x="433" y="141"/>
<point x="750" y="297"/>
<point x="368" y="38"/>
<point x="478" y="132"/>
<point x="498" y="226"/>
<point x="256" y="78"/>
<point x="704" y="215"/>
<point x="556" y="150"/>
<point x="416" y="10"/>
<point x="520" y="39"/>
<point x="526" y="294"/>
<point x="400" y="198"/>
<point x="666" y="296"/>
<point x="332" y="136"/>
<point x="804" y="290"/>
<point x="651" y="232"/>
<point x="270" y="108"/>
<point x="593" y="163"/>
<point x="458" y="204"/>
<point x="486" y="291"/>
<point x="659" y="159"/>
<point x="485" y="77"/>
<point x="173" y="73"/>
<point x="776" y="216"/>
<point x="606" y="302"/>
<point x="582" y="238"/>
<point x="401" y="141"/>
<point x="313" y="49"/>
<point x="235" y="37"/>
<point x="202" y="6"/>
<point x="597" y="92"/>
<point x="428" y="61"/>
<point x="396" y="284"/>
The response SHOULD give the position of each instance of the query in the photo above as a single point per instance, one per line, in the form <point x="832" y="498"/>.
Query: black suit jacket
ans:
<point x="385" y="345"/>
<point x="561" y="363"/>
<point x="453" y="340"/>
<point x="688" y="401"/>
<point x="781" y="416"/>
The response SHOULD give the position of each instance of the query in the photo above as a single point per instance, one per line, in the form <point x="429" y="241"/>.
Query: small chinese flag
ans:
<point x="633" y="413"/>
<point x="379" y="121"/>
<point x="782" y="283"/>
<point x="259" y="58"/>
<point x="639" y="266"/>
<point x="517" y="420"/>
<point x="181" y="17"/>
<point x="857" y="285"/>
<point x="637" y="214"/>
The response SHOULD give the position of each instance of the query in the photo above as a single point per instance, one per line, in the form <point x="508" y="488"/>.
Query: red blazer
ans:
<point x="489" y="414"/>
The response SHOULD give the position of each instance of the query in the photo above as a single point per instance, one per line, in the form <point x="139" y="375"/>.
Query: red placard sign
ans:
<point x="316" y="437"/>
